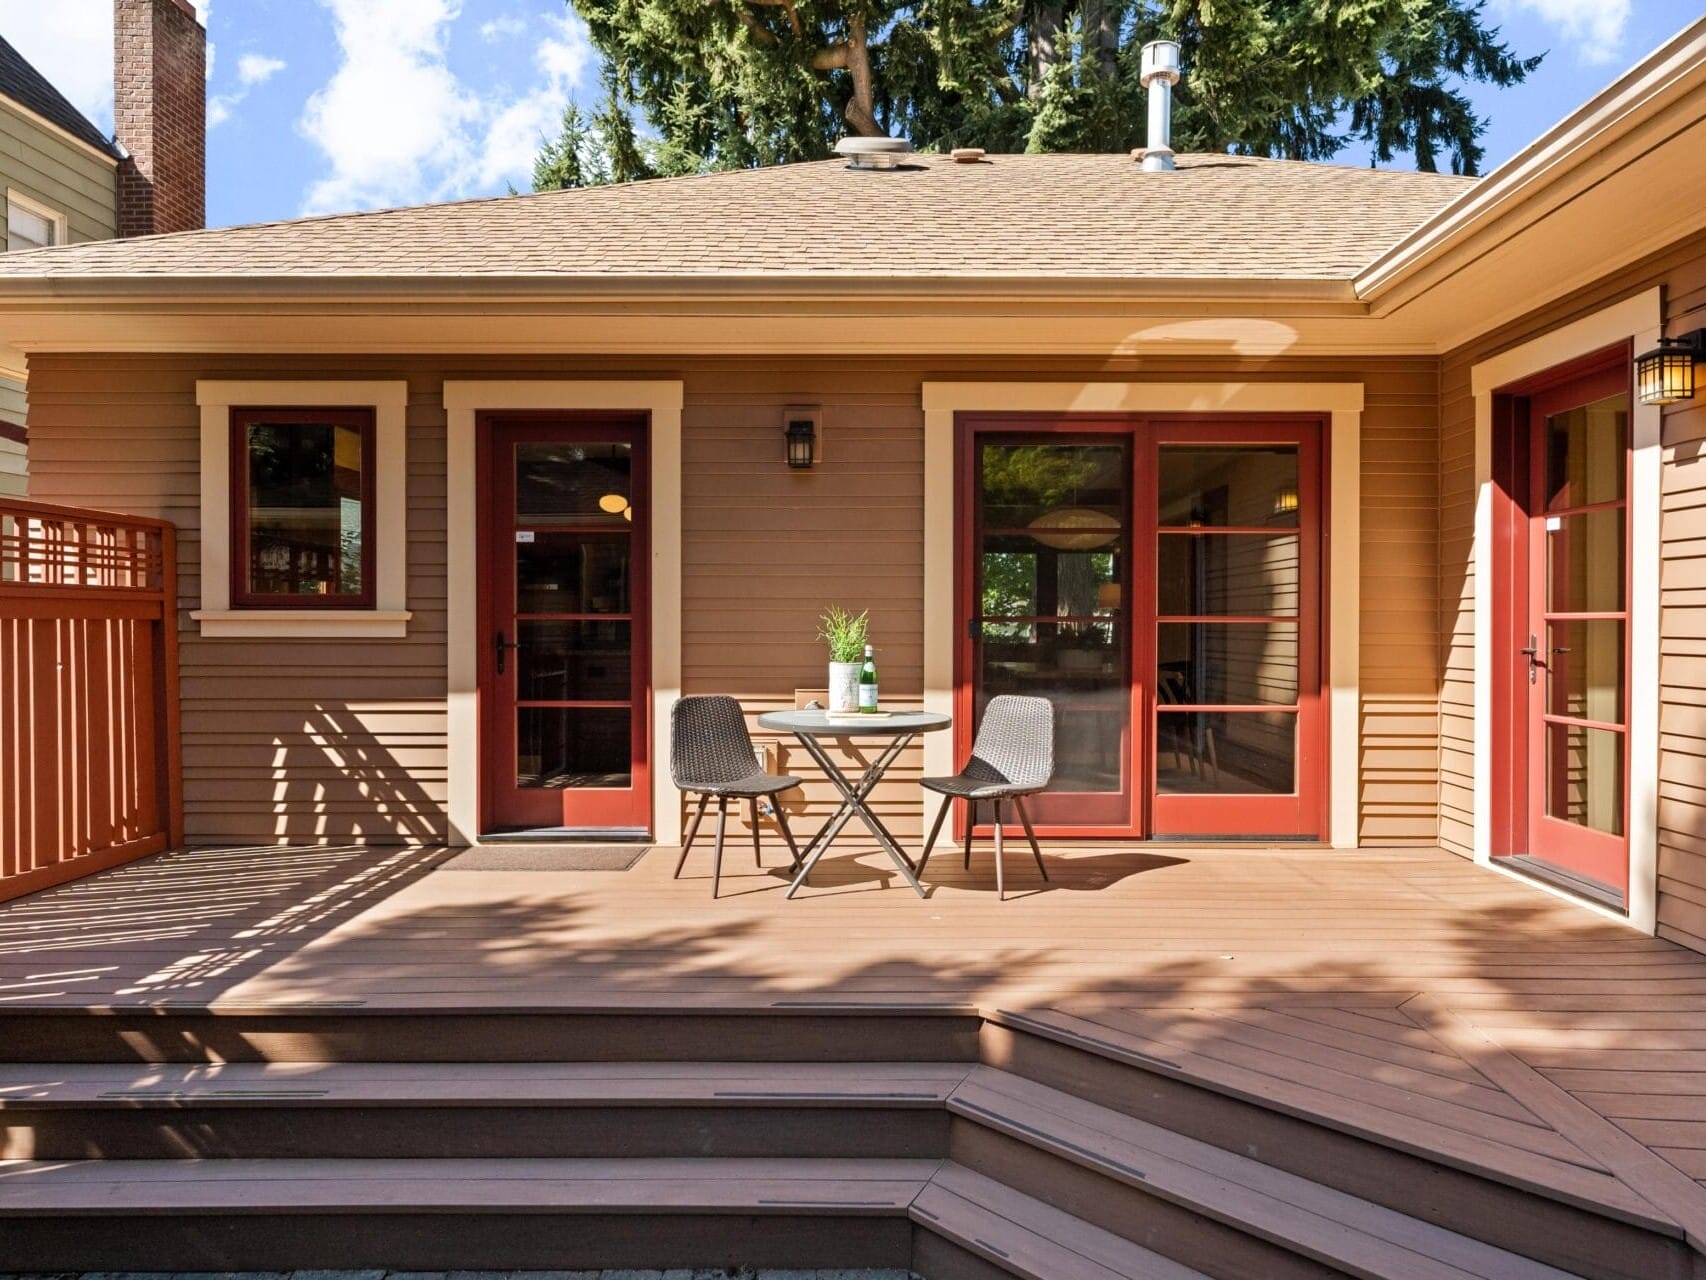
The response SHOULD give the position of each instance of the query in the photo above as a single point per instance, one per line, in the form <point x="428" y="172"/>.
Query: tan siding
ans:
<point x="310" y="740"/>
<point x="60" y="174"/>
<point x="1681" y="272"/>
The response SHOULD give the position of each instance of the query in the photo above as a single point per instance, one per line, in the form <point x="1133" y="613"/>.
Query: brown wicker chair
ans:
<point x="1013" y="757"/>
<point x="711" y="754"/>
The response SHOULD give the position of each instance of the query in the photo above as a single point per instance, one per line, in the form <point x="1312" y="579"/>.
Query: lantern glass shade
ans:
<point x="802" y="440"/>
<point x="1665" y="375"/>
<point x="1285" y="500"/>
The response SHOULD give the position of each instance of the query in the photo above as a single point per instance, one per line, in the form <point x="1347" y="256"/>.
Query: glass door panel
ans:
<point x="565" y="703"/>
<point x="1577" y="637"/>
<point x="1050" y="580"/>
<point x="1234" y="634"/>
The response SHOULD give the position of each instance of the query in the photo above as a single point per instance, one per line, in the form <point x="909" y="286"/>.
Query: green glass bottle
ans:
<point x="868" y="683"/>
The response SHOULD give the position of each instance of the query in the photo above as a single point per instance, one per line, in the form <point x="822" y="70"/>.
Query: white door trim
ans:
<point x="661" y="401"/>
<point x="1343" y="401"/>
<point x="1637" y="320"/>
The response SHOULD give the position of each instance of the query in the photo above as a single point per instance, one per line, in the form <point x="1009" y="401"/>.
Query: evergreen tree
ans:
<point x="726" y="84"/>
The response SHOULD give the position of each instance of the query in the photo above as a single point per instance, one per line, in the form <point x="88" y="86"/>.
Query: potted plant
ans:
<point x="845" y="633"/>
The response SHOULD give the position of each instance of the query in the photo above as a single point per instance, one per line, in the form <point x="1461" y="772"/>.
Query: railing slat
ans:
<point x="88" y="692"/>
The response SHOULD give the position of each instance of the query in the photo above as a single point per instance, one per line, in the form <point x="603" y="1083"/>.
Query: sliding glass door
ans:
<point x="1159" y="581"/>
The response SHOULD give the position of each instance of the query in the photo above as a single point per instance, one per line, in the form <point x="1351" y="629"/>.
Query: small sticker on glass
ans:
<point x="1553" y="524"/>
<point x="524" y="535"/>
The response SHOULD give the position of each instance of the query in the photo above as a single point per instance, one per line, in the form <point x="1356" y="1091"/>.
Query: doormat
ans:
<point x="547" y="857"/>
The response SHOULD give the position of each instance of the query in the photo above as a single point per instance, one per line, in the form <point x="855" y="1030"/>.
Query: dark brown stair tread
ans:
<point x="1030" y="1238"/>
<point x="1314" y="1220"/>
<point x="1567" y="1181"/>
<point x="473" y="1084"/>
<point x="96" y="1187"/>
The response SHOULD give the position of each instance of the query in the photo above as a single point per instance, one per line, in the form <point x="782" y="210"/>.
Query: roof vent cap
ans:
<point x="873" y="153"/>
<point x="966" y="155"/>
<point x="1159" y="72"/>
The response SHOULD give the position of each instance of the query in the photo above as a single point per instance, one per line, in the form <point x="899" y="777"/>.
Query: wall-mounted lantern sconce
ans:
<point x="1665" y="374"/>
<point x="1286" y="500"/>
<point x="800" y="432"/>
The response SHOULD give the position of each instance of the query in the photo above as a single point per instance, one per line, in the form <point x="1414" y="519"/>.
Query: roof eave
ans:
<point x="1670" y="73"/>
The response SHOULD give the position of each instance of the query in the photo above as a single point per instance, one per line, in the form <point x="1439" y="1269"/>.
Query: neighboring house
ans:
<point x="67" y="183"/>
<point x="1318" y="498"/>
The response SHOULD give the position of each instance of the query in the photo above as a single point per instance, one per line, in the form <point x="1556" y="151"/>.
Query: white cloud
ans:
<point x="257" y="68"/>
<point x="1595" y="27"/>
<point x="500" y="28"/>
<point x="397" y="125"/>
<point x="71" y="43"/>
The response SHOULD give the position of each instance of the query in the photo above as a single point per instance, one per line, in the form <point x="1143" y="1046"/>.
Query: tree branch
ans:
<point x="861" y="107"/>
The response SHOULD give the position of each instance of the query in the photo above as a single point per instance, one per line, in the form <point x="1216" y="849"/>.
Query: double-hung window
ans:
<point x="302" y="508"/>
<point x="30" y="225"/>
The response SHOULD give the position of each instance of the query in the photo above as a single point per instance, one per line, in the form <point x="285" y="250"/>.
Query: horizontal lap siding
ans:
<point x="283" y="740"/>
<point x="1681" y="272"/>
<point x="59" y="174"/>
<point x="312" y="739"/>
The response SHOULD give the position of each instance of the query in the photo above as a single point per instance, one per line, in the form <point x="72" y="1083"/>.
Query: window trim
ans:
<point x="242" y="417"/>
<point x="389" y="616"/>
<point x="61" y="227"/>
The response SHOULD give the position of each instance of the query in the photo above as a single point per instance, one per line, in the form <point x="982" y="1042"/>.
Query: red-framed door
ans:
<point x="1044" y="572"/>
<point x="1161" y="581"/>
<point x="1571" y="654"/>
<point x="1238" y="735"/>
<point x="564" y="624"/>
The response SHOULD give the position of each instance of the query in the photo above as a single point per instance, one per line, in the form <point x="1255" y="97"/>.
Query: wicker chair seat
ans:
<point x="759" y="784"/>
<point x="966" y="787"/>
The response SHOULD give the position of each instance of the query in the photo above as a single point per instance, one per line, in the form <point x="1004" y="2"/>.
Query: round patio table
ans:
<point x="900" y="728"/>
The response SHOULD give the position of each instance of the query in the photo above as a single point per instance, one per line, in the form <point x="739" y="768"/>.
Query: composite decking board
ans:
<point x="384" y="934"/>
<point x="1321" y="1223"/>
<point x="1651" y="1175"/>
<point x="1516" y="1127"/>
<point x="1576" y="1181"/>
<point x="473" y="1084"/>
<point x="1035" y="1238"/>
<point x="99" y="1187"/>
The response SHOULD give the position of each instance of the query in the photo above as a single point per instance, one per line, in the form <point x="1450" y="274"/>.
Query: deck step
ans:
<point x="86" y="1111"/>
<point x="965" y="1218"/>
<point x="437" y="1215"/>
<point x="1565" y="1215"/>
<point x="1197" y="1202"/>
<point x="784" y="1029"/>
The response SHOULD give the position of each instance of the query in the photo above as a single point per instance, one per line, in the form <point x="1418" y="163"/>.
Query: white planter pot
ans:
<point x="844" y="686"/>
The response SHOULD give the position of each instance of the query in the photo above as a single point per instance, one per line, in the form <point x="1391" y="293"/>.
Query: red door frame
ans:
<point x="967" y="524"/>
<point x="1518" y="768"/>
<point x="586" y="808"/>
<point x="1301" y="815"/>
<point x="1304" y="809"/>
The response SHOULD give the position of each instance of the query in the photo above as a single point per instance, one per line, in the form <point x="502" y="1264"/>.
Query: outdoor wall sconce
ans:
<point x="800" y="435"/>
<point x="1665" y="374"/>
<point x="1286" y="500"/>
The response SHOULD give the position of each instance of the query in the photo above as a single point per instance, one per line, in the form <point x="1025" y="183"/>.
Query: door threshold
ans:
<point x="1571" y="882"/>
<point x="569" y="835"/>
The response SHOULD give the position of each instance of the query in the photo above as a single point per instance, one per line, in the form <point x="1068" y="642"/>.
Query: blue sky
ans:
<point x="318" y="106"/>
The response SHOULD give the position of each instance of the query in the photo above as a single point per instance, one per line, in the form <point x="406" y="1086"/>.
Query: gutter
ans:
<point x="1673" y="71"/>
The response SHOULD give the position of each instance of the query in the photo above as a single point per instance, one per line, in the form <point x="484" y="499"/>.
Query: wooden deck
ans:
<point x="1399" y="993"/>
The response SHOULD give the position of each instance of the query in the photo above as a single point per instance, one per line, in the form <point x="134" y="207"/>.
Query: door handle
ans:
<point x="1531" y="652"/>
<point x="499" y="648"/>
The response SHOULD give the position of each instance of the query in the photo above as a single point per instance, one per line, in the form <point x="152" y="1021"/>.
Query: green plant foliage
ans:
<point x="726" y="84"/>
<point x="845" y="633"/>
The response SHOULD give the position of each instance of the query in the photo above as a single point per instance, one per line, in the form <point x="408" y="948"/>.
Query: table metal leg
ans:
<point x="853" y="803"/>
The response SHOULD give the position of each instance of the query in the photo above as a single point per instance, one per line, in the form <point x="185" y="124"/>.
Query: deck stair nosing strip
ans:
<point x="379" y="1084"/>
<point x="1574" y="1183"/>
<point x="465" y="1186"/>
<point x="1318" y="1222"/>
<point x="1028" y="1238"/>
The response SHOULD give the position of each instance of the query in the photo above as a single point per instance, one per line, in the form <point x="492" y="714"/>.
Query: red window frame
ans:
<point x="364" y="420"/>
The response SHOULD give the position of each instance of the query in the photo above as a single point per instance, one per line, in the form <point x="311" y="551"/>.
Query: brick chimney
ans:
<point x="160" y="116"/>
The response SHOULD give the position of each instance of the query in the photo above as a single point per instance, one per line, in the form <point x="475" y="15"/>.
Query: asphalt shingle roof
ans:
<point x="26" y="86"/>
<point x="1016" y="217"/>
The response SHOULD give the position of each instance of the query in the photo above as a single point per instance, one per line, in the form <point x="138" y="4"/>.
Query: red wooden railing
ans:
<point x="89" y="774"/>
